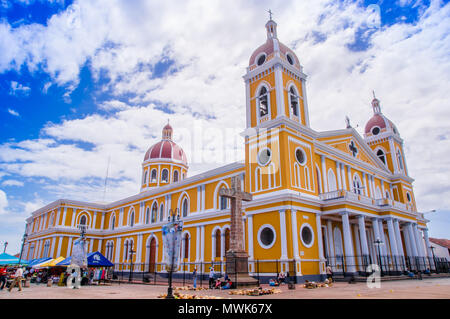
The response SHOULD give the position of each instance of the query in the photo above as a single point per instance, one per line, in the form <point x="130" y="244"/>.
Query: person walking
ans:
<point x="3" y="277"/>
<point x="18" y="276"/>
<point x="329" y="273"/>
<point x="211" y="277"/>
<point x="194" y="277"/>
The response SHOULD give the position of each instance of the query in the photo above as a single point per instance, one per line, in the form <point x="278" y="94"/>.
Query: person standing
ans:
<point x="194" y="277"/>
<point x="18" y="276"/>
<point x="329" y="273"/>
<point x="3" y="276"/>
<point x="211" y="277"/>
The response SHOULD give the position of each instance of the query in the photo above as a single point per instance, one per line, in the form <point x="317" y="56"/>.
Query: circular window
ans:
<point x="300" y="156"/>
<point x="266" y="236"/>
<point x="290" y="59"/>
<point x="307" y="235"/>
<point x="264" y="156"/>
<point x="376" y="130"/>
<point x="261" y="59"/>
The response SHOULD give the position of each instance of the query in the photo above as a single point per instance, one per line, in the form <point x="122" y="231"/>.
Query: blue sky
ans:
<point x="84" y="81"/>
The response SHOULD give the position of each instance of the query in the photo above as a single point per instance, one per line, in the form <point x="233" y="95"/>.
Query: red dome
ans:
<point x="166" y="149"/>
<point x="381" y="121"/>
<point x="269" y="47"/>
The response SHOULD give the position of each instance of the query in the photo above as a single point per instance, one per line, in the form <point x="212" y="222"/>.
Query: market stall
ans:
<point x="98" y="270"/>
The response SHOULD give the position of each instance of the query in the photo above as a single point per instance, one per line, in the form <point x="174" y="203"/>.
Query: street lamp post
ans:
<point x="23" y="244"/>
<point x="6" y="245"/>
<point x="131" y="261"/>
<point x="434" y="259"/>
<point x="172" y="214"/>
<point x="378" y="242"/>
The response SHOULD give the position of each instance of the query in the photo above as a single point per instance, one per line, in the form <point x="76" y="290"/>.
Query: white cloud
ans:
<point x="12" y="182"/>
<point x="19" y="89"/>
<point x="3" y="202"/>
<point x="13" y="112"/>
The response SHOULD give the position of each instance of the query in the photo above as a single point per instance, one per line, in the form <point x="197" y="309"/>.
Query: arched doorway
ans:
<point x="152" y="255"/>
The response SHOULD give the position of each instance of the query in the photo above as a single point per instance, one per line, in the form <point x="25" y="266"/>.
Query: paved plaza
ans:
<point x="438" y="288"/>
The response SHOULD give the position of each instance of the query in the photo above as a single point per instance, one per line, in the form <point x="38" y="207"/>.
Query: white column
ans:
<point x="392" y="237"/>
<point x="344" y="186"/>
<point x="409" y="251"/>
<point x="330" y="241"/>
<point x="283" y="234"/>
<point x="53" y="248"/>
<point x="357" y="246"/>
<point x="412" y="240"/>
<point x="69" y="247"/>
<point x="279" y="91"/>
<point x="103" y="221"/>
<point x="305" y="101"/>
<point x="362" y="236"/>
<point x="58" y="215"/>
<point x="294" y="234"/>
<point x="384" y="248"/>
<point x="63" y="222"/>
<point x="99" y="249"/>
<point x="419" y="241"/>
<point x="320" y="243"/>
<point x="348" y="243"/>
<point x="398" y="237"/>
<point x="427" y="243"/>
<point x="197" y="244"/>
<point x="350" y="181"/>
<point x="202" y="239"/>
<point x="250" y="236"/>
<point x="338" y="172"/>
<point x="222" y="245"/>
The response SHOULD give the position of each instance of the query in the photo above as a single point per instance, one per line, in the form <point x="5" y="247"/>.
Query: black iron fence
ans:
<point x="386" y="265"/>
<point x="262" y="270"/>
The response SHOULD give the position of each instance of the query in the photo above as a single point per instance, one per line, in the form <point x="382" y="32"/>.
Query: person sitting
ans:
<point x="228" y="284"/>
<point x="218" y="284"/>
<point x="273" y="282"/>
<point x="281" y="277"/>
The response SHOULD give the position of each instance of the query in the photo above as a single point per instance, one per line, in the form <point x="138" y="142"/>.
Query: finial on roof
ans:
<point x="347" y="122"/>
<point x="270" y="14"/>
<point x="375" y="104"/>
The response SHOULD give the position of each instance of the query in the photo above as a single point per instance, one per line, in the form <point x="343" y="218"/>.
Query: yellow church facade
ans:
<point x="319" y="198"/>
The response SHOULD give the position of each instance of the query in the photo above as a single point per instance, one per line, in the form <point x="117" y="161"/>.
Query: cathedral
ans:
<point x="318" y="198"/>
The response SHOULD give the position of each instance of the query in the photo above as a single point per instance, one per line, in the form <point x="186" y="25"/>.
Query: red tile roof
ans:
<point x="441" y="242"/>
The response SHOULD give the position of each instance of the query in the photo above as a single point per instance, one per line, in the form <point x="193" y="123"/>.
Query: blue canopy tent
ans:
<point x="7" y="259"/>
<point x="38" y="261"/>
<point x="95" y="259"/>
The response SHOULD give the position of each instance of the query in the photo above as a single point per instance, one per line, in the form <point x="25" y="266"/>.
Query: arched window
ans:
<point x="185" y="207"/>
<point x="132" y="218"/>
<point x="294" y="101"/>
<point x="357" y="184"/>
<point x="144" y="180"/>
<point x="161" y="212"/>
<point x="331" y="181"/>
<point x="83" y="220"/>
<point x="223" y="202"/>
<point x="217" y="236"/>
<point x="175" y="176"/>
<point x="154" y="212"/>
<point x="165" y="175"/>
<point x="186" y="246"/>
<point x="125" y="251"/>
<point x="52" y="218"/>
<point x="263" y="102"/>
<point x="113" y="222"/>
<point x="319" y="185"/>
<point x="400" y="160"/>
<point x="381" y="156"/>
<point x="147" y="215"/>
<point x="153" y="176"/>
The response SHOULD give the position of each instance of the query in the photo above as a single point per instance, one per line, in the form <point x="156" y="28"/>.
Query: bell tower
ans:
<point x="275" y="84"/>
